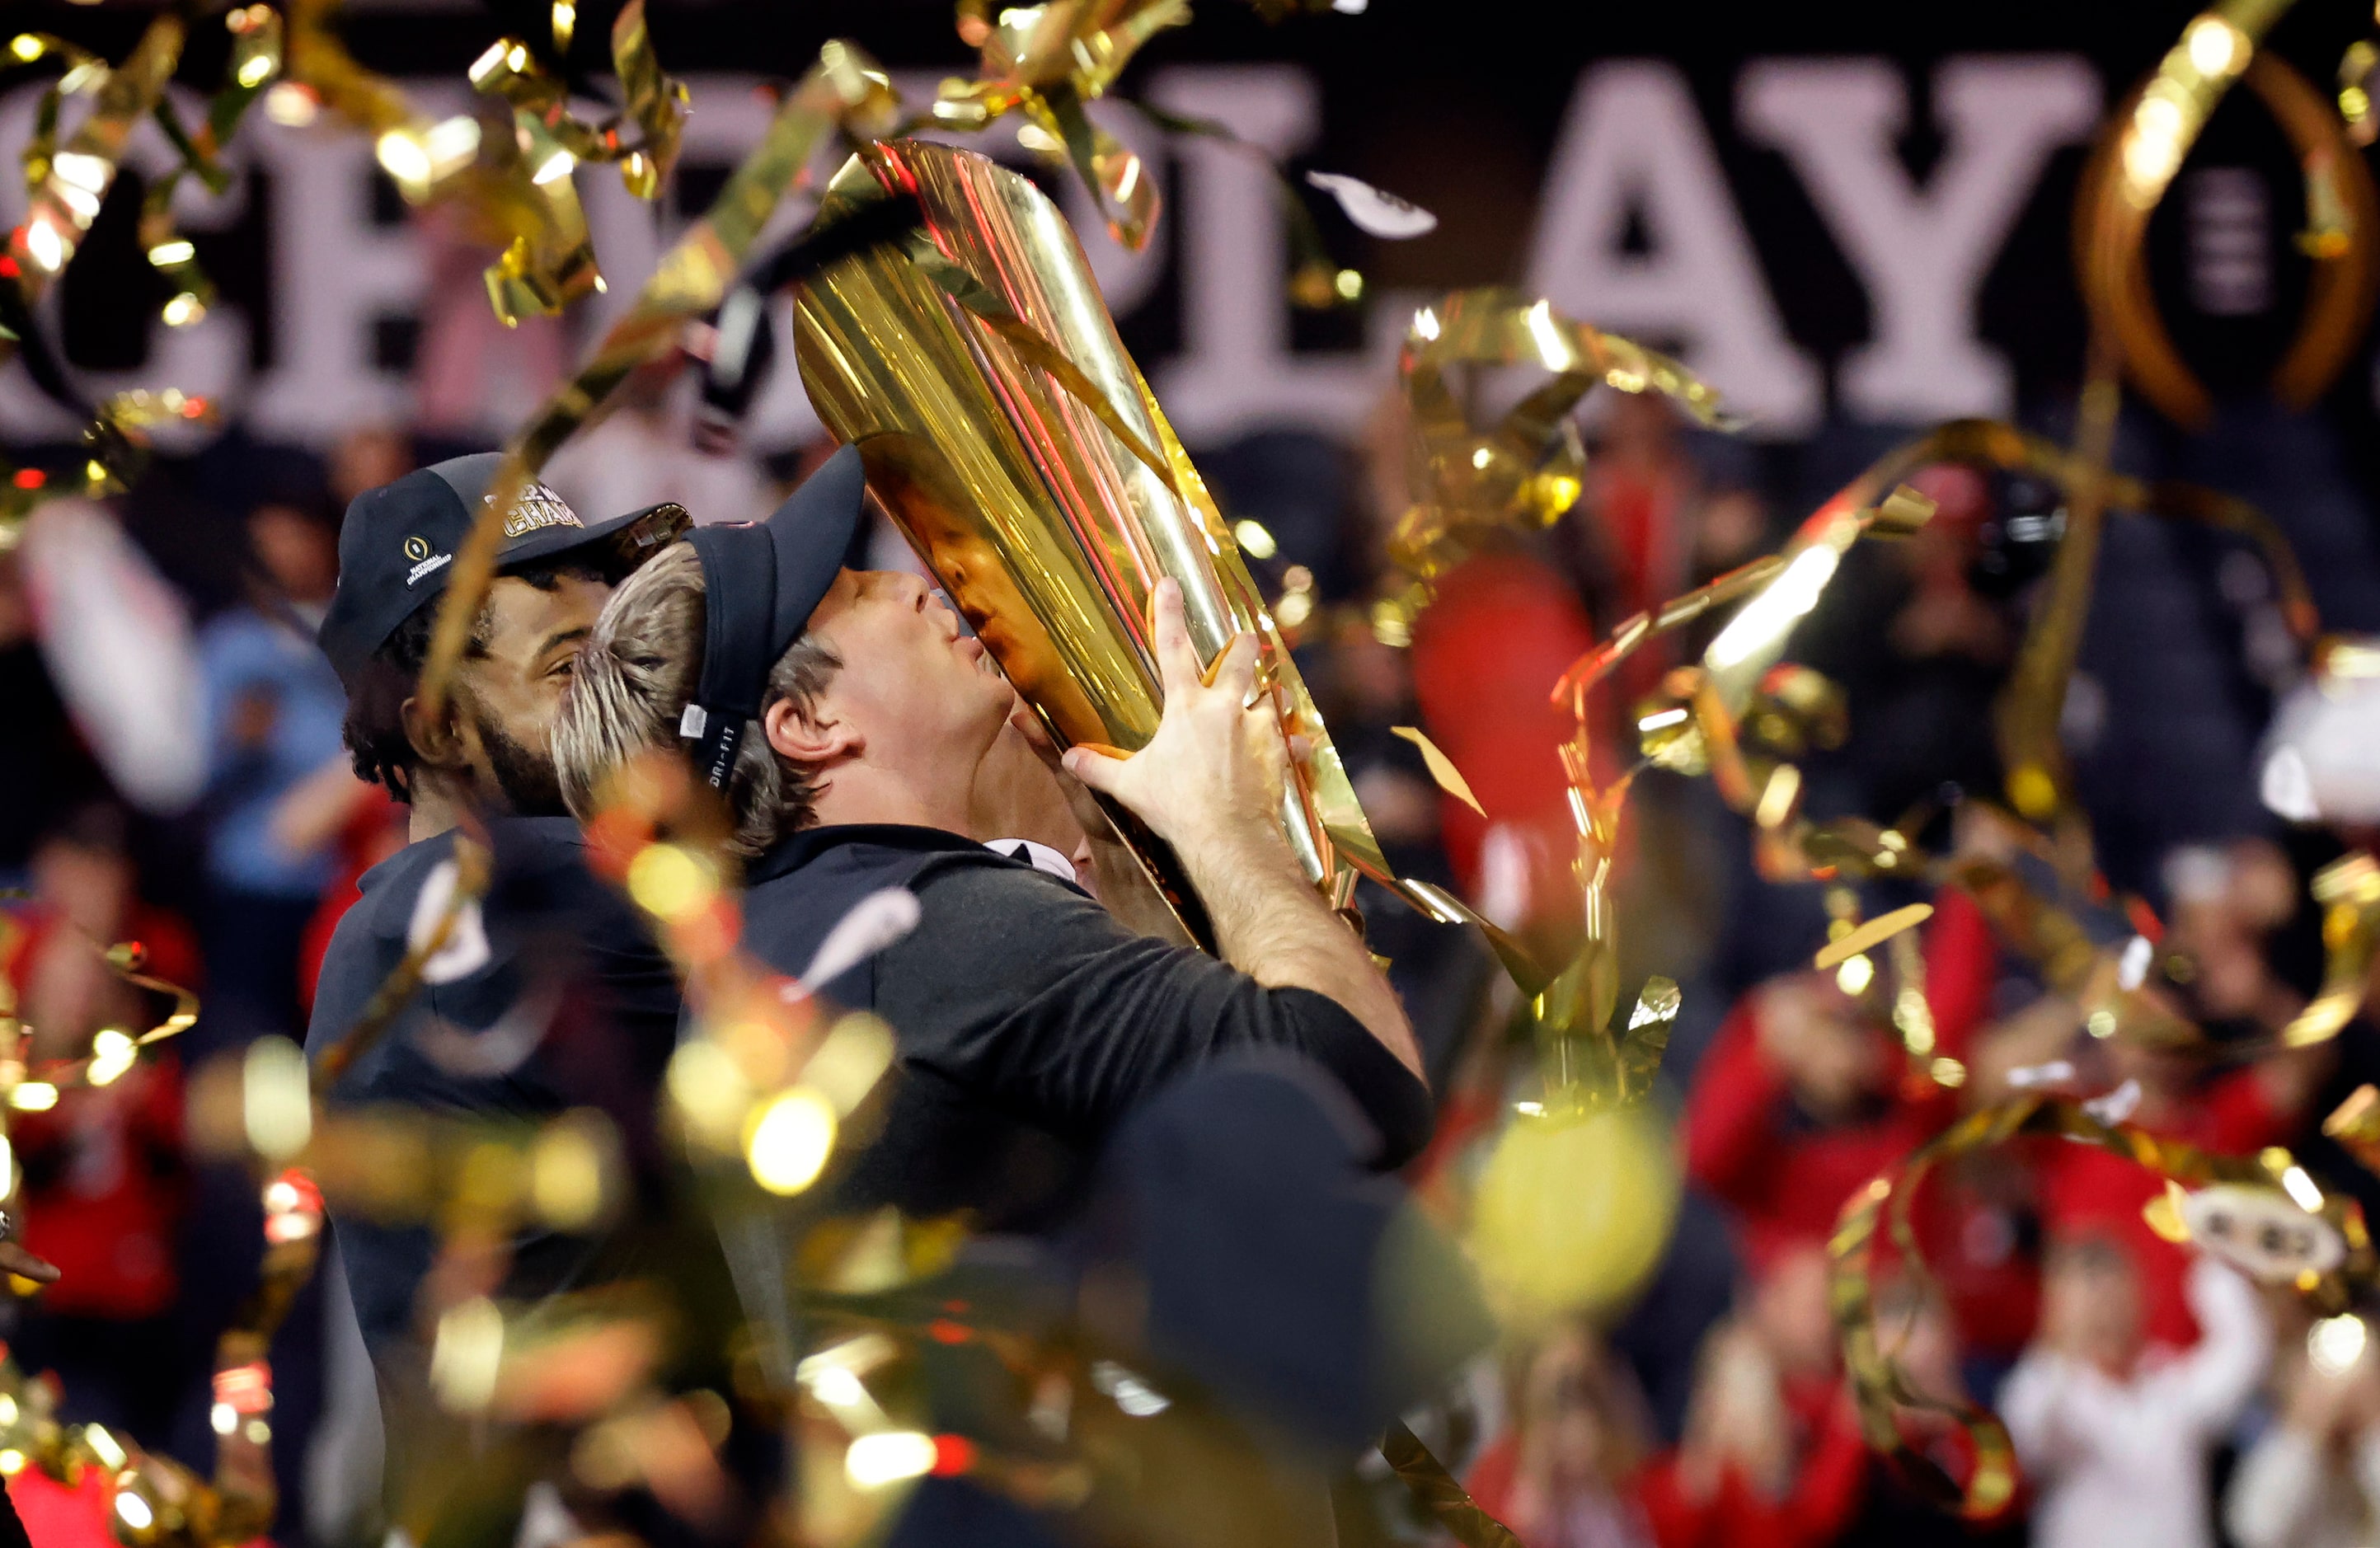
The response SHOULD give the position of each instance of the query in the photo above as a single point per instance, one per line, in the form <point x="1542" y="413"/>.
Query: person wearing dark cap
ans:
<point x="847" y="717"/>
<point x="548" y="993"/>
<point x="1148" y="1118"/>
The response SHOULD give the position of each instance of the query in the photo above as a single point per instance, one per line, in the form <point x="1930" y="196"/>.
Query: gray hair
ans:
<point x="637" y="673"/>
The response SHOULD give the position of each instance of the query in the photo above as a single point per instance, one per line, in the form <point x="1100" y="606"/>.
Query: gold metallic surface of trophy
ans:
<point x="1014" y="442"/>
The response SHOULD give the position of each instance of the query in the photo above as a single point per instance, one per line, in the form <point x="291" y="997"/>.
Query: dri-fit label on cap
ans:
<point x="538" y="506"/>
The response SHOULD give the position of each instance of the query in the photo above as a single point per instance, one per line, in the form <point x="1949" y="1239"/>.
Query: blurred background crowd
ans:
<point x="171" y="772"/>
<point x="1703" y="1406"/>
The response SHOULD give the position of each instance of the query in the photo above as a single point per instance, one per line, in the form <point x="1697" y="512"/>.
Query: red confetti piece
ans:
<point x="954" y="1454"/>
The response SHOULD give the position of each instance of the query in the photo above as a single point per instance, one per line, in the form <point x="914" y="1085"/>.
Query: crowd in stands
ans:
<point x="2153" y="1395"/>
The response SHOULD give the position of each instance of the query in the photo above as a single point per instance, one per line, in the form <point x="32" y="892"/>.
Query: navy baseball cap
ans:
<point x="761" y="583"/>
<point x="398" y="542"/>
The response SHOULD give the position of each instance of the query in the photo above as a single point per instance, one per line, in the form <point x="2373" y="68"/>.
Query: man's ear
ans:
<point x="810" y="739"/>
<point x="435" y="742"/>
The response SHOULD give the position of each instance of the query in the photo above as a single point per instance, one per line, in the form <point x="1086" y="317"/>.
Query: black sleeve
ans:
<point x="12" y="1526"/>
<point x="1023" y="989"/>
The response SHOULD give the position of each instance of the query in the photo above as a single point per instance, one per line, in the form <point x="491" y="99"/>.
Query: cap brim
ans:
<point x="812" y="532"/>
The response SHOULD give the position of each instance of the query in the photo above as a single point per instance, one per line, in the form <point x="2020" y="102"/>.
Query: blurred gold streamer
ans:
<point x="515" y="181"/>
<point x="255" y="61"/>
<point x="2156" y="129"/>
<point x="1879" y="1385"/>
<point x="1048" y="61"/>
<point x="68" y="186"/>
<point x="689" y="281"/>
<point x="2348" y="890"/>
<point x="1449" y="1503"/>
<point x="1529" y="467"/>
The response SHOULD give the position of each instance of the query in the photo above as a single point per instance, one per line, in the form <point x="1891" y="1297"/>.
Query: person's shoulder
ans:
<point x="357" y="959"/>
<point x="896" y="852"/>
<point x="352" y="935"/>
<point x="385" y="893"/>
<point x="538" y="841"/>
<point x="982" y="872"/>
<point x="1026" y="911"/>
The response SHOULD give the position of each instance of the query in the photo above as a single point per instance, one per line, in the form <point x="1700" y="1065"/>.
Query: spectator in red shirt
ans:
<point x="2224" y="903"/>
<point x="1563" y="1475"/>
<point x="1485" y="655"/>
<point x="103" y="1175"/>
<point x="1772" y="1453"/>
<point x="1805" y="1094"/>
<point x="1916" y="1324"/>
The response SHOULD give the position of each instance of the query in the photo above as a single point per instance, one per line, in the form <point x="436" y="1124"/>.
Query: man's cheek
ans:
<point x="546" y="699"/>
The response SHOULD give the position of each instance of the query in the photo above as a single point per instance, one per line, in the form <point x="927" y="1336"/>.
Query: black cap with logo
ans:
<point x="760" y="584"/>
<point x="398" y="542"/>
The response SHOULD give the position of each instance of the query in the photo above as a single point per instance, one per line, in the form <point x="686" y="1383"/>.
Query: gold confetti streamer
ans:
<point x="1441" y="767"/>
<point x="115" y="443"/>
<point x="550" y="262"/>
<point x="1047" y="61"/>
<point x="73" y="181"/>
<point x="1875" y="933"/>
<point x="691" y="278"/>
<point x="1755" y="637"/>
<point x="1879" y="1385"/>
<point x="1434" y="1489"/>
<point x="2158" y="126"/>
<point x="318" y="66"/>
<point x="1586" y="1064"/>
<point x="255" y="61"/>
<point x="518" y="186"/>
<point x="2355" y="1124"/>
<point x="1994" y="444"/>
<point x="1579" y="1001"/>
<point x="85" y="73"/>
<point x="1530" y="467"/>
<point x="1991" y="443"/>
<point x="656" y="104"/>
<point x="2348" y="890"/>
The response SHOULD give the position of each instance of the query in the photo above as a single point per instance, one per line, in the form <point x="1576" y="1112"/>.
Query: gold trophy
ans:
<point x="1014" y="442"/>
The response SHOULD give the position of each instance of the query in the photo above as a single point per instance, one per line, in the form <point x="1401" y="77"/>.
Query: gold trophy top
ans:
<point x="1012" y="439"/>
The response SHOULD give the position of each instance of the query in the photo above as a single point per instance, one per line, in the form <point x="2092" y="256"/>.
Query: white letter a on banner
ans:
<point x="1632" y="143"/>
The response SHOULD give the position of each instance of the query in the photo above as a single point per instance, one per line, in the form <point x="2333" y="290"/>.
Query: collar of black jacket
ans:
<point x="792" y="854"/>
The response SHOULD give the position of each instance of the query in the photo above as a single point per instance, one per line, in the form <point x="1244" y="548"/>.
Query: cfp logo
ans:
<point x="416" y="548"/>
